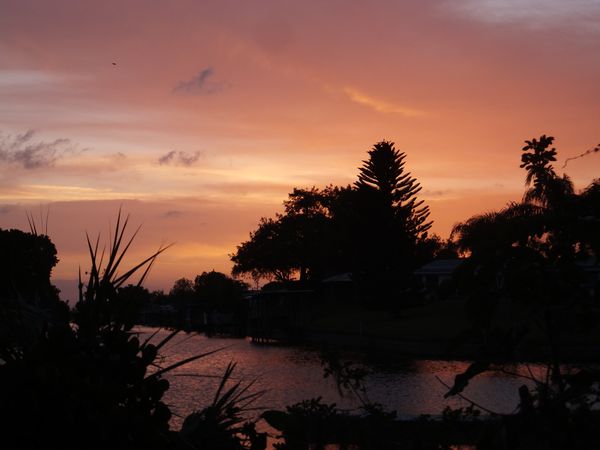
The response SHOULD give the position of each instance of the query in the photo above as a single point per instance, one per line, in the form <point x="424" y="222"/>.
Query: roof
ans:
<point x="589" y="265"/>
<point x="285" y="291"/>
<point x="439" y="267"/>
<point x="339" y="278"/>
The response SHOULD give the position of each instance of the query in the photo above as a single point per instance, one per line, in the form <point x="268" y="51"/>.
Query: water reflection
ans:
<point x="289" y="375"/>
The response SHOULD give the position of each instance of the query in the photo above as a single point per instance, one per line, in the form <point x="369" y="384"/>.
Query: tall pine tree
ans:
<point x="384" y="173"/>
<point x="392" y="221"/>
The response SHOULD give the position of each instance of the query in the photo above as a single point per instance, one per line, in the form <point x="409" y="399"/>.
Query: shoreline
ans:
<point x="437" y="349"/>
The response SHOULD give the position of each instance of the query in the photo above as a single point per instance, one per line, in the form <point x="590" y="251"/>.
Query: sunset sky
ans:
<point x="200" y="116"/>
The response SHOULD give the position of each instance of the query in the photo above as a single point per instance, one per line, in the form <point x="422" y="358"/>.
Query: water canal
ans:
<point x="291" y="374"/>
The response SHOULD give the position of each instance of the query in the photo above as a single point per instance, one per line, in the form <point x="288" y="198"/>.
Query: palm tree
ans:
<point x="547" y="188"/>
<point x="514" y="224"/>
<point x="547" y="209"/>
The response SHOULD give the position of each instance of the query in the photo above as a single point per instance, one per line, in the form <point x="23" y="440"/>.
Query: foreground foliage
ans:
<point x="89" y="382"/>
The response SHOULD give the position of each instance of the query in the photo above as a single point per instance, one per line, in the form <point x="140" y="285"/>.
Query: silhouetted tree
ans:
<point x="376" y="228"/>
<point x="435" y="247"/>
<point x="589" y="219"/>
<point x="29" y="302"/>
<point x="182" y="290"/>
<point x="488" y="232"/>
<point x="266" y="254"/>
<point x="320" y="244"/>
<point x="300" y="241"/>
<point x="390" y="224"/>
<point x="26" y="266"/>
<point x="159" y="297"/>
<point x="182" y="297"/>
<point x="131" y="299"/>
<point x="383" y="173"/>
<point x="217" y="290"/>
<point x="547" y="188"/>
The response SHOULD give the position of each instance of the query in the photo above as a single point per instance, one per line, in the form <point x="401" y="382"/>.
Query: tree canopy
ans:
<point x="27" y="266"/>
<point x="551" y="219"/>
<point x="217" y="290"/>
<point x="208" y="290"/>
<point x="295" y="242"/>
<point x="532" y="253"/>
<point x="526" y="283"/>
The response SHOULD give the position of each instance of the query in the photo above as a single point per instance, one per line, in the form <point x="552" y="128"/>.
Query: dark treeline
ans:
<point x="213" y="302"/>
<point x="376" y="229"/>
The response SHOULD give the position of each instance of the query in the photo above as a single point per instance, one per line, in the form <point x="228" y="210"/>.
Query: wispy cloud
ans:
<point x="179" y="158"/>
<point x="25" y="150"/>
<point x="380" y="105"/>
<point x="167" y="158"/>
<point x="534" y="12"/>
<point x="28" y="78"/>
<point x="172" y="214"/>
<point x="119" y="156"/>
<point x="427" y="193"/>
<point x="202" y="83"/>
<point x="5" y="209"/>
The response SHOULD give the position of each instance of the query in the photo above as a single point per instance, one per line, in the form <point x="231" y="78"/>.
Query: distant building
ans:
<point x="280" y="315"/>
<point x="591" y="270"/>
<point x="438" y="271"/>
<point x="153" y="314"/>
<point x="339" y="289"/>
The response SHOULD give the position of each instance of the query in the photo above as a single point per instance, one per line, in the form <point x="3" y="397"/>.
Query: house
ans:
<point x="280" y="314"/>
<point x="591" y="270"/>
<point x="339" y="289"/>
<point x="433" y="274"/>
<point x="153" y="314"/>
<point x="438" y="271"/>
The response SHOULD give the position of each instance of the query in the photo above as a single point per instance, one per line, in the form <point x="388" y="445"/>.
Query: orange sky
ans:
<point x="215" y="110"/>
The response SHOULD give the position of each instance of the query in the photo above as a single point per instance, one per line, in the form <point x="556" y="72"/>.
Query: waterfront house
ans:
<point x="280" y="314"/>
<point x="438" y="271"/>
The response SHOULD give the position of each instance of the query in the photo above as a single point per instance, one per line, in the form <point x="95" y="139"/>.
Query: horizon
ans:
<point x="199" y="122"/>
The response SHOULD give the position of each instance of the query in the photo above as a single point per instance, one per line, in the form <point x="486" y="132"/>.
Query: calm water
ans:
<point x="290" y="375"/>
